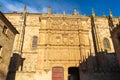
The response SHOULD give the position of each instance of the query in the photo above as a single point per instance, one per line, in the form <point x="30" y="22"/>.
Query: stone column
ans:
<point x="66" y="73"/>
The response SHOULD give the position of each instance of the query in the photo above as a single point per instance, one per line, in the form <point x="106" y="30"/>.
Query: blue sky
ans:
<point x="58" y="6"/>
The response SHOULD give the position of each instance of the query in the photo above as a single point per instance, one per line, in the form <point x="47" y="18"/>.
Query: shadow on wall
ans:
<point x="15" y="62"/>
<point x="103" y="67"/>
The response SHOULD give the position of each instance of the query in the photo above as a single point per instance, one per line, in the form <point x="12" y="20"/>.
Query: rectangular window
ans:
<point x="0" y="50"/>
<point x="34" y="42"/>
<point x="5" y="30"/>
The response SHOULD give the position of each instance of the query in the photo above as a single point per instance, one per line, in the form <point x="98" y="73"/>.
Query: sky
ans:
<point x="60" y="6"/>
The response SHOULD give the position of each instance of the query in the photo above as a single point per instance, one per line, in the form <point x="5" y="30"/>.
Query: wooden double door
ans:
<point x="57" y="73"/>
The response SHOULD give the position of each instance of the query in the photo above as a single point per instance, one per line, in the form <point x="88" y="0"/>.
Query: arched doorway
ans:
<point x="73" y="73"/>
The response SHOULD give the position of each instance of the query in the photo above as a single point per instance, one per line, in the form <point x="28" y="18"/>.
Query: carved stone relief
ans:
<point x="63" y="24"/>
<point x="30" y="62"/>
<point x="64" y="38"/>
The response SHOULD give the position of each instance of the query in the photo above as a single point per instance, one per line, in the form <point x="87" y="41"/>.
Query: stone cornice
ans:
<point x="9" y="25"/>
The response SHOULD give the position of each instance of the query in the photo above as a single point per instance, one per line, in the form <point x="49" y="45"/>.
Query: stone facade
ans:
<point x="7" y="35"/>
<point x="54" y="46"/>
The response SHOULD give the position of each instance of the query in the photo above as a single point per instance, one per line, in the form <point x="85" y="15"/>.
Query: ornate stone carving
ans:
<point x="62" y="38"/>
<point x="29" y="63"/>
<point x="63" y="24"/>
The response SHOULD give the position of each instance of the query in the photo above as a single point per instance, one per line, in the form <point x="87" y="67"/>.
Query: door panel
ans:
<point x="57" y="73"/>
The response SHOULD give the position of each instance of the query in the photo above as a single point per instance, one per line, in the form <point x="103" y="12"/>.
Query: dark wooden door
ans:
<point x="57" y="73"/>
